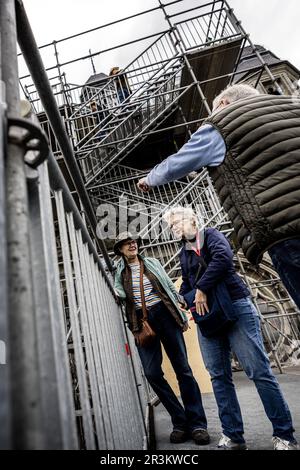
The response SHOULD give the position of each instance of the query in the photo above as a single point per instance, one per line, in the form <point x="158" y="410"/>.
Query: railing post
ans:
<point x="5" y="405"/>
<point x="23" y="364"/>
<point x="60" y="76"/>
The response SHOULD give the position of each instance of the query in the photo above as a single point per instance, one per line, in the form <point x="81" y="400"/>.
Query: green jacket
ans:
<point x="154" y="267"/>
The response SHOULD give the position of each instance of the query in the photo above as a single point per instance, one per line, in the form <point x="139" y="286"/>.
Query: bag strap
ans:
<point x="144" y="309"/>
<point x="202" y="264"/>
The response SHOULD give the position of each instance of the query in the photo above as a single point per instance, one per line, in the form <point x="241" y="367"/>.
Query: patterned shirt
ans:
<point x="151" y="298"/>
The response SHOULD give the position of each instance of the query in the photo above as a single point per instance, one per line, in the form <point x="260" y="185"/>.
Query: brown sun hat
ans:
<point x="122" y="238"/>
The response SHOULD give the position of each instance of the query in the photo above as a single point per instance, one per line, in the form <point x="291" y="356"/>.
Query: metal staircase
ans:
<point x="154" y="79"/>
<point x="127" y="129"/>
<point x="158" y="89"/>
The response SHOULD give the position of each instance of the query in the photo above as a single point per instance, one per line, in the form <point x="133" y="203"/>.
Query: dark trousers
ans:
<point x="168" y="333"/>
<point x="286" y="259"/>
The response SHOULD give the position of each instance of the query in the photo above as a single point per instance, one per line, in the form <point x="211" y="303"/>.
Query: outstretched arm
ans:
<point x="206" y="147"/>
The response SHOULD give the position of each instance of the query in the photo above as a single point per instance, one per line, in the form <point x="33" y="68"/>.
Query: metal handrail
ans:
<point x="32" y="56"/>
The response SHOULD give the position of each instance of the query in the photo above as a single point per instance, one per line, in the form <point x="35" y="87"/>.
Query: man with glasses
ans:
<point x="251" y="147"/>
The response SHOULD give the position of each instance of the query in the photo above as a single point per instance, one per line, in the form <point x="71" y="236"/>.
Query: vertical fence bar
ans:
<point x="88" y="338"/>
<point x="56" y="314"/>
<point x="76" y="333"/>
<point x="110" y="324"/>
<point x="45" y="354"/>
<point x="109" y="361"/>
<point x="25" y="386"/>
<point x="5" y="405"/>
<point x="137" y="383"/>
<point x="102" y="339"/>
<point x="110" y="321"/>
<point x="109" y="444"/>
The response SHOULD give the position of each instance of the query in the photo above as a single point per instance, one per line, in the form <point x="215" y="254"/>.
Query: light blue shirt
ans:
<point x="206" y="147"/>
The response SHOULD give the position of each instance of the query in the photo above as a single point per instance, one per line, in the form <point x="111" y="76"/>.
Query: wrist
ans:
<point x="201" y="289"/>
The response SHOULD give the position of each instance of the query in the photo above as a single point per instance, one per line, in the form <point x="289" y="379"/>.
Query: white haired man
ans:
<point x="208" y="274"/>
<point x="251" y="147"/>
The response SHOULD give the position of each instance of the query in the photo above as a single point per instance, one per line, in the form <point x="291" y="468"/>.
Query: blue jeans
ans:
<point x="168" y="332"/>
<point x="245" y="340"/>
<point x="286" y="259"/>
<point x="123" y="93"/>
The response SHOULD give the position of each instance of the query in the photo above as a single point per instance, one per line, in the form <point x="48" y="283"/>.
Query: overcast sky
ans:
<point x="271" y="23"/>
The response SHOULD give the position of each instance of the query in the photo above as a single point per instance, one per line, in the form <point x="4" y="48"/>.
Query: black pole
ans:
<point x="36" y="67"/>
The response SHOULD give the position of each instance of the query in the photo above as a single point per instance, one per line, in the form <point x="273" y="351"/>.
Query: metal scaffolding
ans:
<point x="172" y="83"/>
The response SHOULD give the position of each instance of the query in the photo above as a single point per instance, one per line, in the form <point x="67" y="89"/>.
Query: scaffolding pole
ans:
<point x="23" y="361"/>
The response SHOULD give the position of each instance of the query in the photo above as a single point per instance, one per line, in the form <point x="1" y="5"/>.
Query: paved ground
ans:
<point x="258" y="430"/>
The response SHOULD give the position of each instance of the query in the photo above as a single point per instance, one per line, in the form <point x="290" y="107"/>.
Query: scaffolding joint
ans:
<point x="26" y="134"/>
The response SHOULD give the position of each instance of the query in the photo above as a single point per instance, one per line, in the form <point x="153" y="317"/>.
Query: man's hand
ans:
<point x="201" y="303"/>
<point x="143" y="186"/>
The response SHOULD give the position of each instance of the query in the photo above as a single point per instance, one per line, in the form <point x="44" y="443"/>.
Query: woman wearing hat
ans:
<point x="144" y="285"/>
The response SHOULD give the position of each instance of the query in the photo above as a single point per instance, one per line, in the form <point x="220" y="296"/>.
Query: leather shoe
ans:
<point x="200" y="437"/>
<point x="177" y="436"/>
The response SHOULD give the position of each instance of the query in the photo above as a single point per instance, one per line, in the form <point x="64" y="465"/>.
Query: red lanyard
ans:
<point x="198" y="249"/>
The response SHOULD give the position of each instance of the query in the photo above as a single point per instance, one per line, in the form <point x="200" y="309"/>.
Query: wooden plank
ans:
<point x="207" y="64"/>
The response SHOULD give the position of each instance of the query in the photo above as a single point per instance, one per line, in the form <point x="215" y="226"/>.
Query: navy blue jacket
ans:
<point x="218" y="256"/>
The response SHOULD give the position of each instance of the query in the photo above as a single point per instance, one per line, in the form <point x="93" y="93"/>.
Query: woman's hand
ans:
<point x="201" y="303"/>
<point x="187" y="314"/>
<point x="183" y="304"/>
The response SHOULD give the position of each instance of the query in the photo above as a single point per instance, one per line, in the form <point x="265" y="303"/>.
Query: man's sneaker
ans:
<point x="227" y="444"/>
<point x="177" y="436"/>
<point x="281" y="444"/>
<point x="200" y="437"/>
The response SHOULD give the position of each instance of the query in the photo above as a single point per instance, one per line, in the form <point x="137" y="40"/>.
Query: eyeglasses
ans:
<point x="131" y="242"/>
<point x="178" y="222"/>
